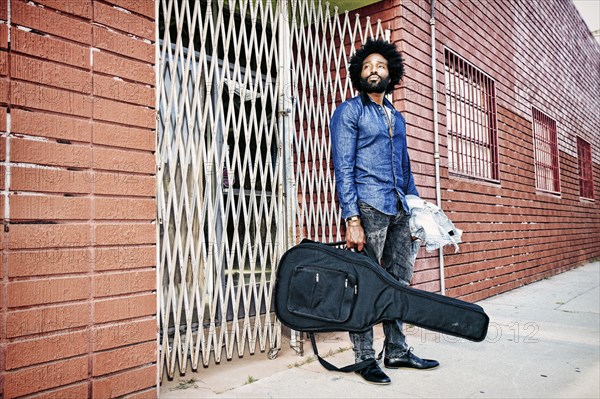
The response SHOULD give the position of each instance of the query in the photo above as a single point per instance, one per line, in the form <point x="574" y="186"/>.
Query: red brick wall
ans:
<point x="78" y="268"/>
<point x="540" y="55"/>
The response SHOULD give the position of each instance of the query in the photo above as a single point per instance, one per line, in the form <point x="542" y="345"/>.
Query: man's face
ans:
<point x="375" y="76"/>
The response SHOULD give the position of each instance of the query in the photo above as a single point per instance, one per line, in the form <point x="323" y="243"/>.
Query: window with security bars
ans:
<point x="586" y="177"/>
<point x="547" y="175"/>
<point x="471" y="119"/>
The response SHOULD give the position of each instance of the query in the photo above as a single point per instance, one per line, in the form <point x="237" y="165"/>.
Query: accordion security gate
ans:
<point x="245" y="90"/>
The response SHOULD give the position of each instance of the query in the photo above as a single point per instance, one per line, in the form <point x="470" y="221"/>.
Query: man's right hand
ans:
<point x="355" y="237"/>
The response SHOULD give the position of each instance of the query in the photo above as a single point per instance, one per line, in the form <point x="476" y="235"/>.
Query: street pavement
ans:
<point x="543" y="342"/>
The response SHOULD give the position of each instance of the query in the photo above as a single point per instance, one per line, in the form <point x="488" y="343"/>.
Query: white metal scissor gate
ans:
<point x="245" y="91"/>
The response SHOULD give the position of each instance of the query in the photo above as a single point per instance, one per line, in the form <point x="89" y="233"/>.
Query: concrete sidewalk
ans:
<point x="543" y="342"/>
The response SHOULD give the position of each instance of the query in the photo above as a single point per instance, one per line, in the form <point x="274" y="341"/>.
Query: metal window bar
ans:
<point x="463" y="165"/>
<point x="586" y="177"/>
<point x="493" y="128"/>
<point x="547" y="175"/>
<point x="471" y="119"/>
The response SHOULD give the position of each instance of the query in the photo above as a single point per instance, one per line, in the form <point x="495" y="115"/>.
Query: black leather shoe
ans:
<point x="374" y="374"/>
<point x="408" y="360"/>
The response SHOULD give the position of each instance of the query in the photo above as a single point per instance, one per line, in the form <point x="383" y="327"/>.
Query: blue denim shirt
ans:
<point x="370" y="166"/>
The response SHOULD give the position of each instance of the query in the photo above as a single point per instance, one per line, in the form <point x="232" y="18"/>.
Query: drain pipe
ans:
<point x="436" y="144"/>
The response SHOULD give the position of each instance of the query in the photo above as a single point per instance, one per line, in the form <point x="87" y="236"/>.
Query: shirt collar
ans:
<point x="367" y="100"/>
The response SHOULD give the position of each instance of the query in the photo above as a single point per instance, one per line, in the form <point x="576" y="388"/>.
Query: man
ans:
<point x="373" y="175"/>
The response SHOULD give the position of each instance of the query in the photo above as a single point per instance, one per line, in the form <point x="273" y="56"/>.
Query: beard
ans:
<point x="378" y="87"/>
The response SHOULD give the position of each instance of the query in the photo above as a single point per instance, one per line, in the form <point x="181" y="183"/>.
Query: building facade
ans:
<point x="517" y="113"/>
<point x="158" y="157"/>
<point x="78" y="206"/>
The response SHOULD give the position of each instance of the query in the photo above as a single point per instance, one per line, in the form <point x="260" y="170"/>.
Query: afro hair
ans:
<point x="388" y="51"/>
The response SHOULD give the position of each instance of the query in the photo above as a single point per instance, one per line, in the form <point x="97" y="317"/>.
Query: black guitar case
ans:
<point x="321" y="288"/>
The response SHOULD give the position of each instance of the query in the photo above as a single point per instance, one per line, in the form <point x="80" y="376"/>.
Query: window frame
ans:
<point x="546" y="161"/>
<point x="585" y="164"/>
<point x="471" y="120"/>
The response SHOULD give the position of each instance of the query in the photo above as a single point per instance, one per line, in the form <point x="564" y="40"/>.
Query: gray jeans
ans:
<point x="389" y="237"/>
